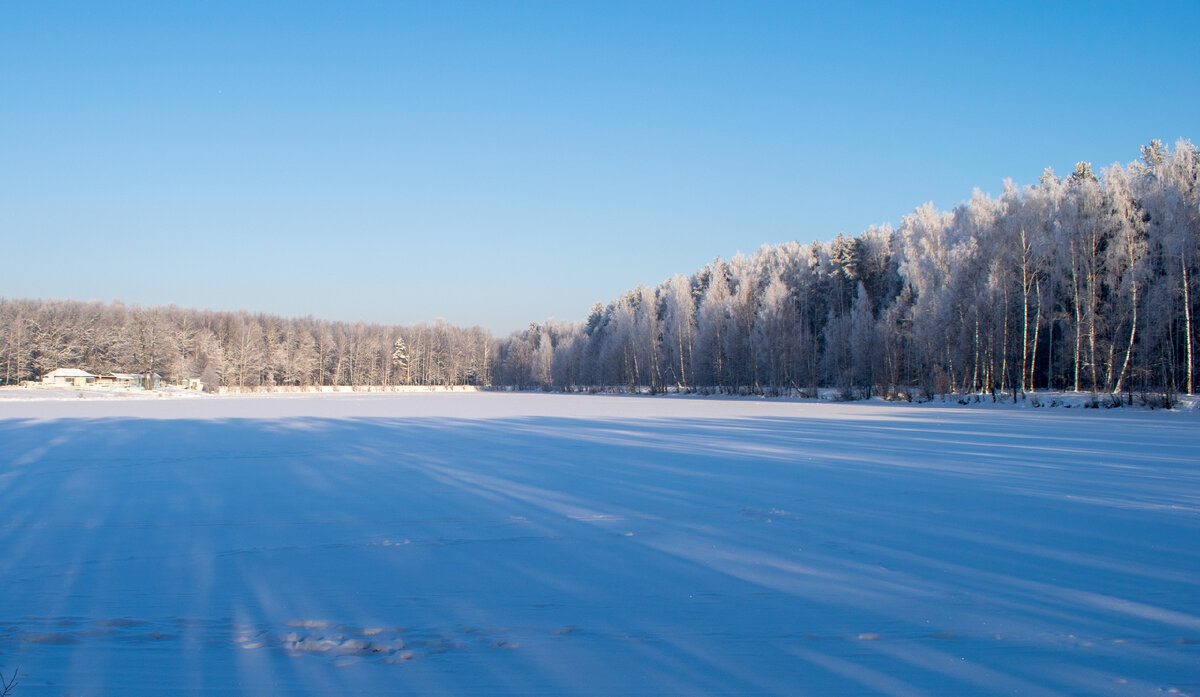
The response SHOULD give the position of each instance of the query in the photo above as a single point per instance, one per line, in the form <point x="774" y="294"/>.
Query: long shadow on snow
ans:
<point x="921" y="553"/>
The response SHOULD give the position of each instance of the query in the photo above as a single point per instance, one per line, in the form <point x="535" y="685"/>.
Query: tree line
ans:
<point x="1083" y="283"/>
<point x="234" y="348"/>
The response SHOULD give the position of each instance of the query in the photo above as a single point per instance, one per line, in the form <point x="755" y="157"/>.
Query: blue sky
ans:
<point x="495" y="163"/>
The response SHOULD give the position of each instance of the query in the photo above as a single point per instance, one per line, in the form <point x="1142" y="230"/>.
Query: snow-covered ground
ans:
<point x="547" y="544"/>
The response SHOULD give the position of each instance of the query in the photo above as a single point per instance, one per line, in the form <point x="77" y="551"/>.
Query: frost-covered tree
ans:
<point x="1087" y="282"/>
<point x="400" y="361"/>
<point x="679" y="330"/>
<point x="710" y="364"/>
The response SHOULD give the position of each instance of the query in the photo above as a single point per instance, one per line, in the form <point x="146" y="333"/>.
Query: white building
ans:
<point x="68" y="376"/>
<point x="130" y="380"/>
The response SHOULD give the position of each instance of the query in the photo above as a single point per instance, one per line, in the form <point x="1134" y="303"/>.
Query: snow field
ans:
<point x="548" y="544"/>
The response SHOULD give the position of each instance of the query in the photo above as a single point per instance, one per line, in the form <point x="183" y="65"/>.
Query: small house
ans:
<point x="73" y="377"/>
<point x="131" y="380"/>
<point x="126" y="379"/>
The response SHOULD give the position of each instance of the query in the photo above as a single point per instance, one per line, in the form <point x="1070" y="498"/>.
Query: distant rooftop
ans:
<point x="69" y="373"/>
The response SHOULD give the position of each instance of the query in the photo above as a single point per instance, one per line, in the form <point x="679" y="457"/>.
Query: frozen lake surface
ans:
<point x="595" y="545"/>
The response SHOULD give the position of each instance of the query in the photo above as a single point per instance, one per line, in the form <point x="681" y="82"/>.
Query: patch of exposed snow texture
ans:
<point x="595" y="545"/>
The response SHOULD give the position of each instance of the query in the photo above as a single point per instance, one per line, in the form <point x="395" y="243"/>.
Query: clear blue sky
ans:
<point x="494" y="163"/>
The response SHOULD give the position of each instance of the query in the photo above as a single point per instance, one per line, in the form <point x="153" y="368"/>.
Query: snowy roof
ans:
<point x="127" y="376"/>
<point x="69" y="373"/>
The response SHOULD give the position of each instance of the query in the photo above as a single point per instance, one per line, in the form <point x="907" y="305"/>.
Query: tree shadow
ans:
<point x="911" y="554"/>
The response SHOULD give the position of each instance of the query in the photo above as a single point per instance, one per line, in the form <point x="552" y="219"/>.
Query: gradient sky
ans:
<point x="494" y="163"/>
